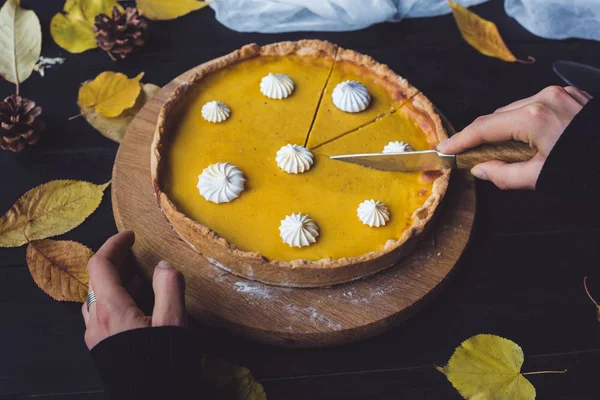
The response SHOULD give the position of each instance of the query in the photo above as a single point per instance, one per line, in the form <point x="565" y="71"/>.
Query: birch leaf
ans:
<point x="74" y="30"/>
<point x="115" y="128"/>
<point x="59" y="268"/>
<point x="488" y="367"/>
<point x="110" y="93"/>
<point x="482" y="34"/>
<point x="48" y="210"/>
<point x="169" y="9"/>
<point x="229" y="382"/>
<point x="20" y="41"/>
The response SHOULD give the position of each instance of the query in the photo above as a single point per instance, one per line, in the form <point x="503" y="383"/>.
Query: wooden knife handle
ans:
<point x="509" y="152"/>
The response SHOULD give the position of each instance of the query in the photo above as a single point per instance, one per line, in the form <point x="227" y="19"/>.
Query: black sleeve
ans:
<point x="151" y="363"/>
<point x="573" y="165"/>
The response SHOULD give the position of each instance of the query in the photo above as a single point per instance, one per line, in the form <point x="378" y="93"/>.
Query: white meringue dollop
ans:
<point x="373" y="213"/>
<point x="294" y="159"/>
<point x="221" y="182"/>
<point x="351" y="96"/>
<point x="276" y="86"/>
<point x="215" y="111"/>
<point x="298" y="230"/>
<point x="397" y="147"/>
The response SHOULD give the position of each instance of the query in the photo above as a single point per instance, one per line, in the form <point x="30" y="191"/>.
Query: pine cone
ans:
<point x="122" y="33"/>
<point x="21" y="123"/>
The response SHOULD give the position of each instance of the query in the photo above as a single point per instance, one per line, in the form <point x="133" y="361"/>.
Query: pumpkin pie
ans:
<point x="246" y="112"/>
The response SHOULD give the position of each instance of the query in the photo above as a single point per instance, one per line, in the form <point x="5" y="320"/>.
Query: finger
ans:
<point x="509" y="176"/>
<point x="102" y="267"/>
<point x="579" y="96"/>
<point x="516" y="124"/>
<point x="92" y="306"/>
<point x="553" y="96"/>
<point x="117" y="248"/>
<point x="517" y="104"/>
<point x="169" y="296"/>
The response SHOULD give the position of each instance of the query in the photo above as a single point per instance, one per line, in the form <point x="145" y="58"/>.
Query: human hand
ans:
<point x="538" y="120"/>
<point x="115" y="310"/>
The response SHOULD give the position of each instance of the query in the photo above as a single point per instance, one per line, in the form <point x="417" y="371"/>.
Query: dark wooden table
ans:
<point x="520" y="278"/>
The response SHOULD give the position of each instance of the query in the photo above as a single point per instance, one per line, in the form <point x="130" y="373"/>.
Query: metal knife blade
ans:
<point x="582" y="76"/>
<point x="428" y="160"/>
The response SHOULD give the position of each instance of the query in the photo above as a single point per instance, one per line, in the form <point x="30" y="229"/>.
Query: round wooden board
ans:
<point x="277" y="315"/>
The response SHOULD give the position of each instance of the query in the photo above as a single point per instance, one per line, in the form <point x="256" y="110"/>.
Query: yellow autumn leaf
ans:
<point x="20" y="41"/>
<point x="114" y="128"/>
<point x="169" y="9"/>
<point x="110" y="93"/>
<point x="482" y="34"/>
<point x="59" y="268"/>
<point x="74" y="30"/>
<point x="48" y="210"/>
<point x="488" y="367"/>
<point x="224" y="381"/>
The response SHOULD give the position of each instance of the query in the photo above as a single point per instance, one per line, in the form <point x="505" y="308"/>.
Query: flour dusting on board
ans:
<point x="356" y="297"/>
<point x="315" y="316"/>
<point x="253" y="289"/>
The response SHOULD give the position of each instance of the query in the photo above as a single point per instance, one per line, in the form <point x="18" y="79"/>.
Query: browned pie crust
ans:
<point x="299" y="273"/>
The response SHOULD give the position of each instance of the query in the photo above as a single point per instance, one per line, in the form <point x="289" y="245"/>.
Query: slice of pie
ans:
<point x="388" y="93"/>
<point x="241" y="167"/>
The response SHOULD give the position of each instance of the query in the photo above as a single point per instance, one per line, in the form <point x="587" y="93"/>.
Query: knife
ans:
<point x="431" y="160"/>
<point x="582" y="76"/>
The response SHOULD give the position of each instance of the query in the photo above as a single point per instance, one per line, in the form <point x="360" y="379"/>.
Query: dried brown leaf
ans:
<point x="59" y="268"/>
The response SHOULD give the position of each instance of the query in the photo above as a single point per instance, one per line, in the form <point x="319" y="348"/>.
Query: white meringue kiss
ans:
<point x="276" y="86"/>
<point x="397" y="147"/>
<point x="215" y="111"/>
<point x="351" y="96"/>
<point x="294" y="159"/>
<point x="298" y="230"/>
<point x="221" y="182"/>
<point x="373" y="213"/>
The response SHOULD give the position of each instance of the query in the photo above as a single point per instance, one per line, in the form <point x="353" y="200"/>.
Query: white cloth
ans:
<point x="554" y="19"/>
<point x="557" y="19"/>
<point x="274" y="16"/>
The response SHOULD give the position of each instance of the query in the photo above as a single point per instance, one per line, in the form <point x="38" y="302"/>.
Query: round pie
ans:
<point x="219" y="180"/>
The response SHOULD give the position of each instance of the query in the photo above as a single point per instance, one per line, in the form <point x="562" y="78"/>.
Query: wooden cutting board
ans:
<point x="276" y="315"/>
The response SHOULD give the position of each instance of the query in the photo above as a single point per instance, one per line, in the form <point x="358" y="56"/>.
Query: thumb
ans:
<point x="505" y="176"/>
<point x="169" y="296"/>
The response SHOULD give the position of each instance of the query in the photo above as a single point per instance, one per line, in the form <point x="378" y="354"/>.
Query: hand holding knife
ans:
<point x="536" y="122"/>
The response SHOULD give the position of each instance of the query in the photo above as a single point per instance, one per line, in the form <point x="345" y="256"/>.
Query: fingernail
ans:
<point x="478" y="172"/>
<point x="164" y="264"/>
<point x="443" y="144"/>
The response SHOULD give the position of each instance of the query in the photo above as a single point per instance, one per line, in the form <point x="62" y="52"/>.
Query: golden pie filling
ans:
<point x="330" y="191"/>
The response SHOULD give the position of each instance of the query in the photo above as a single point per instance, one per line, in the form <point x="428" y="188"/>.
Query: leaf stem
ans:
<point x="15" y="70"/>
<point x="588" y="292"/>
<point x="530" y="60"/>
<point x="75" y="116"/>
<point x="544" y="372"/>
